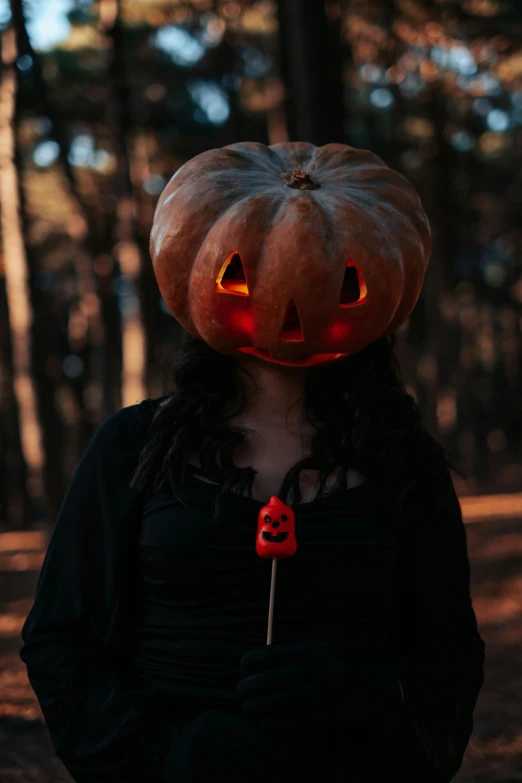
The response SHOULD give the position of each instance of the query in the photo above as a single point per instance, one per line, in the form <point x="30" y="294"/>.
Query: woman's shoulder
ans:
<point x="430" y="487"/>
<point x="129" y="425"/>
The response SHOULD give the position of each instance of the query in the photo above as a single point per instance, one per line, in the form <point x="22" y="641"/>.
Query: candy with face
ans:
<point x="276" y="530"/>
<point x="298" y="255"/>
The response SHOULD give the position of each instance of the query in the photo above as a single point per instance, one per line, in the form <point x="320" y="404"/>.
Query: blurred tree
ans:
<point x="126" y="248"/>
<point x="19" y="308"/>
<point x="312" y="68"/>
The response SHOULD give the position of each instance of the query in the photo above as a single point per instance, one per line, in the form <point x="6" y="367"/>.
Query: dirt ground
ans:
<point x="494" y="754"/>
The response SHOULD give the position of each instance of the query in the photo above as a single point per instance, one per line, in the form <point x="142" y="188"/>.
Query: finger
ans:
<point x="269" y="704"/>
<point x="281" y="678"/>
<point x="271" y="655"/>
<point x="291" y="721"/>
<point x="244" y="731"/>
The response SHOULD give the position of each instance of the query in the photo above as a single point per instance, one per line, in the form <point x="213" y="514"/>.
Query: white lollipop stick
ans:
<point x="271" y="604"/>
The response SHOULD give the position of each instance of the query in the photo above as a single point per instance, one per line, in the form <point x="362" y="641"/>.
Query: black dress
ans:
<point x="143" y="611"/>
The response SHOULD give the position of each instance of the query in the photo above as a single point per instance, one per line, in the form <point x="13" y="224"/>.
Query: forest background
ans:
<point x="101" y="102"/>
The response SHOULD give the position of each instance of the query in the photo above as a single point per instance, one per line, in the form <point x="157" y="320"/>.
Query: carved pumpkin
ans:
<point x="276" y="530"/>
<point x="297" y="254"/>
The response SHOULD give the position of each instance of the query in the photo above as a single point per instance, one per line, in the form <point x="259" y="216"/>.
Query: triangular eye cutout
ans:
<point x="354" y="288"/>
<point x="292" y="326"/>
<point x="231" y="278"/>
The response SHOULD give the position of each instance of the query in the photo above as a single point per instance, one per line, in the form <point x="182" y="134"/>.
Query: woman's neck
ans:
<point x="274" y="394"/>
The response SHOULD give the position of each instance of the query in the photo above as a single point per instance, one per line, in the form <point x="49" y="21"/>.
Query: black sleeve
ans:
<point x="441" y="654"/>
<point x="102" y="726"/>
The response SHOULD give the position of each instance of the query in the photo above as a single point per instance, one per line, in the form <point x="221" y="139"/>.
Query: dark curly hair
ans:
<point x="367" y="421"/>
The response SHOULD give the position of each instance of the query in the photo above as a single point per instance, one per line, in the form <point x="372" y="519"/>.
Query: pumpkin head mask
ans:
<point x="297" y="254"/>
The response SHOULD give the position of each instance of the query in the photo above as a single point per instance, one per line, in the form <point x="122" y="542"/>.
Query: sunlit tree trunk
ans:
<point x="126" y="249"/>
<point x="96" y="403"/>
<point x="16" y="278"/>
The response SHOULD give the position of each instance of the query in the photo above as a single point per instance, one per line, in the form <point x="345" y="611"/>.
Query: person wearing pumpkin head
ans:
<point x="289" y="267"/>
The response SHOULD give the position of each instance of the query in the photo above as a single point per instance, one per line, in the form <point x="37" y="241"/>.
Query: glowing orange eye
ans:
<point x="354" y="289"/>
<point x="231" y="278"/>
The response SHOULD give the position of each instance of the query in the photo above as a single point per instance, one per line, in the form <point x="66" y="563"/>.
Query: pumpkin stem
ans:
<point x="300" y="180"/>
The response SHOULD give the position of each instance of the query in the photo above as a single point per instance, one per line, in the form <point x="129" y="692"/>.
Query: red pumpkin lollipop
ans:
<point x="276" y="530"/>
<point x="275" y="539"/>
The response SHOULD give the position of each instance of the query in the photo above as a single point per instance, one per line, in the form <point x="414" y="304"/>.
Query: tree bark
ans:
<point x="126" y="249"/>
<point x="19" y="306"/>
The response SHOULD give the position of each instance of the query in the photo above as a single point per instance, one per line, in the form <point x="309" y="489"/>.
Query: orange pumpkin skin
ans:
<point x="303" y="225"/>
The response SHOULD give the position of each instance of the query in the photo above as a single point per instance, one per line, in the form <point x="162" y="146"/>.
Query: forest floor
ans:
<point x="494" y="753"/>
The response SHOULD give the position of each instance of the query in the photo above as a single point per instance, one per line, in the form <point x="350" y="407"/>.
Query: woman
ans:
<point x="146" y="643"/>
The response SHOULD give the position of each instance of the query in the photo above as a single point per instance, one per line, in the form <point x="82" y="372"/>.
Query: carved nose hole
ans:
<point x="292" y="326"/>
<point x="275" y="524"/>
<point x="353" y="290"/>
<point x="231" y="277"/>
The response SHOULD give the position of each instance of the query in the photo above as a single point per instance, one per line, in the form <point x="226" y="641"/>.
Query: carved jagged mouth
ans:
<point x="305" y="360"/>
<point x="277" y="538"/>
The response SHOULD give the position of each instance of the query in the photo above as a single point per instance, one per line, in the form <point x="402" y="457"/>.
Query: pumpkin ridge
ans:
<point x="326" y="244"/>
<point x="368" y="177"/>
<point x="328" y="212"/>
<point x="273" y="218"/>
<point x="368" y="200"/>
<point x="223" y="216"/>
<point x="337" y="156"/>
<point x="198" y="247"/>
<point x="360" y="204"/>
<point x="296" y="155"/>
<point x="397" y="257"/>
<point x="263" y="153"/>
<point x="332" y="178"/>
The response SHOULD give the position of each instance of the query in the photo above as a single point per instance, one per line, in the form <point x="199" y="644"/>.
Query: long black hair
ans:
<point x="363" y="414"/>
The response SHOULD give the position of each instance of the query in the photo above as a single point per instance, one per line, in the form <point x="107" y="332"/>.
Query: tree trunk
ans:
<point x="311" y="68"/>
<point x="126" y="249"/>
<point x="17" y="287"/>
